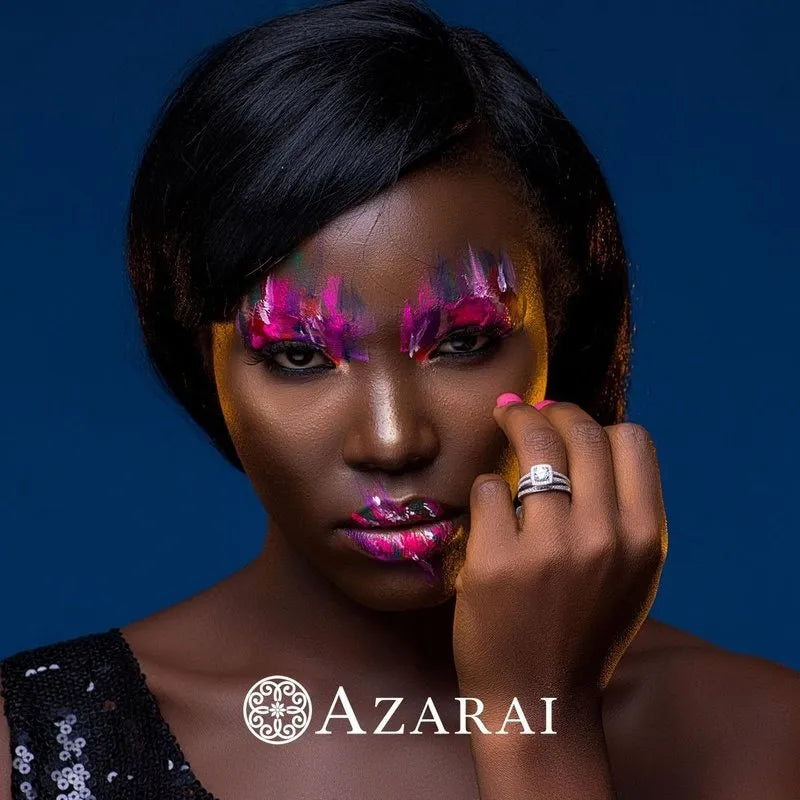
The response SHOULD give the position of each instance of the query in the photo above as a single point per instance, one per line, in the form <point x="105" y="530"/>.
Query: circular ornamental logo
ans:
<point x="277" y="709"/>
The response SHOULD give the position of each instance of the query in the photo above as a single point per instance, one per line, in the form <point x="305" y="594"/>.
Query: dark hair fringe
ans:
<point x="280" y="128"/>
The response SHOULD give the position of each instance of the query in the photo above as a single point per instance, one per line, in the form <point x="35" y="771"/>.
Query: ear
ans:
<point x="204" y="344"/>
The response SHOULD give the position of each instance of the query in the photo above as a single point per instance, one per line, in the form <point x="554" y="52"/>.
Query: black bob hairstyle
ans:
<point x="280" y="128"/>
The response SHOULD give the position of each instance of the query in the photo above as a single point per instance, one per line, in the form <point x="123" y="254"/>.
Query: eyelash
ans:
<point x="266" y="355"/>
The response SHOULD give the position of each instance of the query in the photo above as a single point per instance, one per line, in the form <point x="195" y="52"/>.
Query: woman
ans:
<point x="365" y="247"/>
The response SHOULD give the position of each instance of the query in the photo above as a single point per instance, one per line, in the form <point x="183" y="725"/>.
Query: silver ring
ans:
<point x="556" y="487"/>
<point x="559" y="479"/>
<point x="541" y="478"/>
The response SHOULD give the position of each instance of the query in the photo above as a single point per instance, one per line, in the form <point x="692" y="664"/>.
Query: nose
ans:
<point x="390" y="429"/>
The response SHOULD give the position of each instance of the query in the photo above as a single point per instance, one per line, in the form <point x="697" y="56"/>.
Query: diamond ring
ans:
<point x="542" y="478"/>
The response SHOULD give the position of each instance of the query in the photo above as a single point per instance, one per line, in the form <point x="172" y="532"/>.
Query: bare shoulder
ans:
<point x="706" y="721"/>
<point x="210" y="632"/>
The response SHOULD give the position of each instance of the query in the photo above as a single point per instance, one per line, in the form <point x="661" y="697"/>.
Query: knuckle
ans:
<point x="550" y="563"/>
<point x="598" y="548"/>
<point x="542" y="439"/>
<point x="585" y="432"/>
<point x="658" y="543"/>
<point x="568" y="405"/>
<point x="518" y="413"/>
<point x="604" y="548"/>
<point x="632" y="433"/>
<point x="650" y="543"/>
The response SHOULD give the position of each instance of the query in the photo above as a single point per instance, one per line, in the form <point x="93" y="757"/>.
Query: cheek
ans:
<point x="467" y="397"/>
<point x="280" y="443"/>
<point x="283" y="450"/>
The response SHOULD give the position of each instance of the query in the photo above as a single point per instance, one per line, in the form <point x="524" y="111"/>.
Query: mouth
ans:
<point x="413" y="529"/>
<point x="387" y="513"/>
<point x="410" y="543"/>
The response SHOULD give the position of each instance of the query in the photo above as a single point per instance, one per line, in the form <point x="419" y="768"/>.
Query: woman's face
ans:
<point x="359" y="377"/>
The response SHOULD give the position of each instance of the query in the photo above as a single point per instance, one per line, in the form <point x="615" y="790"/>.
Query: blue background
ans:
<point x="113" y="506"/>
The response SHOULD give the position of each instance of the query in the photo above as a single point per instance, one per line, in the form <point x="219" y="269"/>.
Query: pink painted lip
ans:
<point x="413" y="543"/>
<point x="387" y="513"/>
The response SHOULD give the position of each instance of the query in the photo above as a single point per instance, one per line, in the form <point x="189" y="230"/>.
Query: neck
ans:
<point x="290" y="602"/>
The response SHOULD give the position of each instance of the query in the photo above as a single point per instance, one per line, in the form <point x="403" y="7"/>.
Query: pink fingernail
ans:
<point x="508" y="397"/>
<point x="542" y="403"/>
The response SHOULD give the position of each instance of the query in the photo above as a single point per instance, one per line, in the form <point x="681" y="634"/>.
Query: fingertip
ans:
<point x="491" y="503"/>
<point x="506" y="398"/>
<point x="487" y="486"/>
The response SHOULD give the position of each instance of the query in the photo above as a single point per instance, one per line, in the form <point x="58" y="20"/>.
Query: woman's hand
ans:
<point x="546" y="605"/>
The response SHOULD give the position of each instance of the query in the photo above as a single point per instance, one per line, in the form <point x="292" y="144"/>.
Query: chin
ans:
<point x="403" y="585"/>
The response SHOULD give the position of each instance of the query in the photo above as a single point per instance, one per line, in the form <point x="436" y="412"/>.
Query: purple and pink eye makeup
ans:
<point x="480" y="297"/>
<point x="278" y="310"/>
<point x="483" y="296"/>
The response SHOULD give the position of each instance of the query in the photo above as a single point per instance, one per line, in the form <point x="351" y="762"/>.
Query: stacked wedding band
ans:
<point x="542" y="478"/>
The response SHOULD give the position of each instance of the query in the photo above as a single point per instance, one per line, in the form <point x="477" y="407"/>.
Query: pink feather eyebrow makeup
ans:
<point x="279" y="309"/>
<point x="483" y="295"/>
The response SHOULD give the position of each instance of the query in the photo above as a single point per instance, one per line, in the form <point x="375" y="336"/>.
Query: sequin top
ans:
<point x="84" y="726"/>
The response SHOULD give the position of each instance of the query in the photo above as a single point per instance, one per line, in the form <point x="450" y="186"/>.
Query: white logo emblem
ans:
<point x="277" y="709"/>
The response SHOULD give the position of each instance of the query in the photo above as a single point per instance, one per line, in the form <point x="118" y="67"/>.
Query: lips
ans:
<point x="414" y="544"/>
<point x="392" y="530"/>
<point x="389" y="513"/>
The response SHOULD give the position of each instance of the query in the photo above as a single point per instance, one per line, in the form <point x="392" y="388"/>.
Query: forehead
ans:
<point x="384" y="250"/>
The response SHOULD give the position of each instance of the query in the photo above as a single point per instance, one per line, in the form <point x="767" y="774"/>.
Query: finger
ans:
<point x="638" y="481"/>
<point x="590" y="461"/>
<point x="535" y="441"/>
<point x="493" y="523"/>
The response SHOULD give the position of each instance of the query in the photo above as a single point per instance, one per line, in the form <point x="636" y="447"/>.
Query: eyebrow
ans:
<point x="279" y="309"/>
<point x="477" y="289"/>
<point x="483" y="293"/>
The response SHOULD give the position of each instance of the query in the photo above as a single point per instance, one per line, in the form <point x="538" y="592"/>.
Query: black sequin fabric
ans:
<point x="84" y="726"/>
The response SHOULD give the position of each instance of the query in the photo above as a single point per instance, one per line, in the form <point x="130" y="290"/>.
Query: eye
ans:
<point x="468" y="342"/>
<point x="464" y="342"/>
<point x="289" y="357"/>
<point x="297" y="357"/>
